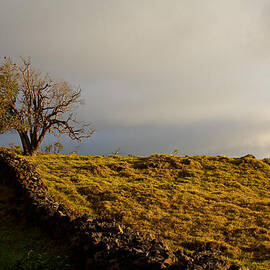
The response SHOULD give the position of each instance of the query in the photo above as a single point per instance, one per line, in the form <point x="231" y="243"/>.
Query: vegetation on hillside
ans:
<point x="24" y="246"/>
<point x="190" y="202"/>
<point x="33" y="105"/>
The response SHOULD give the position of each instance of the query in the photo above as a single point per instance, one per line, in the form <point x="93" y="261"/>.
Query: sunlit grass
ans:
<point x="187" y="201"/>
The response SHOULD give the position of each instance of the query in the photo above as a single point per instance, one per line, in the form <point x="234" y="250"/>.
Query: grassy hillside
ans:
<point x="25" y="247"/>
<point x="188" y="201"/>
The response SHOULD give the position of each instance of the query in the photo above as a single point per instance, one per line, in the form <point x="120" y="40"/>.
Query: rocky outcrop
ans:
<point x="97" y="243"/>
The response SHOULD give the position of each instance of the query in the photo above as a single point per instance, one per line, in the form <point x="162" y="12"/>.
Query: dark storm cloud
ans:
<point x="166" y="71"/>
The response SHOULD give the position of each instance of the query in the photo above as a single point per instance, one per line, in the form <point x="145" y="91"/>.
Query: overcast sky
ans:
<point x="156" y="75"/>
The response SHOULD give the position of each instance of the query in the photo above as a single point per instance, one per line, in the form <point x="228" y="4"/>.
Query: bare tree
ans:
<point x="34" y="104"/>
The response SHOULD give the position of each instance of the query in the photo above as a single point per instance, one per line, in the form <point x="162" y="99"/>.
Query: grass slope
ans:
<point x="26" y="247"/>
<point x="187" y="201"/>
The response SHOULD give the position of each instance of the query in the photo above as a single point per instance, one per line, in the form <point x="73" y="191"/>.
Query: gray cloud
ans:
<point x="155" y="68"/>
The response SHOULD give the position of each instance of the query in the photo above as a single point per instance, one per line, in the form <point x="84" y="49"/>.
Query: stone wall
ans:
<point x="99" y="243"/>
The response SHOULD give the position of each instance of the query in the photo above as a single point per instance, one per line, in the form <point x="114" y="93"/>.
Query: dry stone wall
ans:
<point x="99" y="243"/>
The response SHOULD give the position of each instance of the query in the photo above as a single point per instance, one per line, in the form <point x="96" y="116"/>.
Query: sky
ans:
<point x="156" y="75"/>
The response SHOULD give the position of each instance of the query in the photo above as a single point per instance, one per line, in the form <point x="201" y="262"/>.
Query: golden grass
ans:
<point x="187" y="201"/>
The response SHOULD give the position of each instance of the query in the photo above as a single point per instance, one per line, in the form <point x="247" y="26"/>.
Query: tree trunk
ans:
<point x="34" y="149"/>
<point x="37" y="140"/>
<point x="25" y="143"/>
<point x="30" y="148"/>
